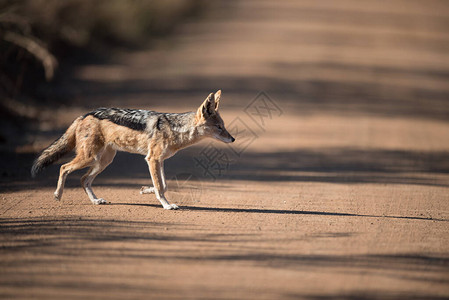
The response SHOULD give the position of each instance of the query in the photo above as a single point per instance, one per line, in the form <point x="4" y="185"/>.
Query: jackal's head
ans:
<point x="208" y="120"/>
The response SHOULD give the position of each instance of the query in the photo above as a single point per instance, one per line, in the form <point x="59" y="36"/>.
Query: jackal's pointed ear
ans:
<point x="217" y="97"/>
<point x="207" y="108"/>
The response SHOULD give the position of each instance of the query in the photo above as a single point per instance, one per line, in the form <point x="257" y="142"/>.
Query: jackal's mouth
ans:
<point x="226" y="140"/>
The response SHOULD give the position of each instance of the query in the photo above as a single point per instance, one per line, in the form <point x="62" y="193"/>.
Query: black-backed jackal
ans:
<point x="98" y="135"/>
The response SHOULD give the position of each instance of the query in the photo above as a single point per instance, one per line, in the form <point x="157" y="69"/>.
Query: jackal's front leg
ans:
<point x="150" y="189"/>
<point x="146" y="190"/>
<point x="158" y="181"/>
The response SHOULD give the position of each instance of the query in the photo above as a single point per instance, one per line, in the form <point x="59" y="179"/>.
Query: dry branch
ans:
<point x="48" y="61"/>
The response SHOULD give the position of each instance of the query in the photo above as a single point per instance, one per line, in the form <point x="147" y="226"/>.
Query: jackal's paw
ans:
<point x="99" y="201"/>
<point x="171" y="207"/>
<point x="57" y="197"/>
<point x="147" y="190"/>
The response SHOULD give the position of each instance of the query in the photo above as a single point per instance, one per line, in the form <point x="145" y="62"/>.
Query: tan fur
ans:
<point x="63" y="145"/>
<point x="97" y="141"/>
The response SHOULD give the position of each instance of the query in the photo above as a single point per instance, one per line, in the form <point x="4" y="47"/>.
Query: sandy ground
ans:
<point x="337" y="186"/>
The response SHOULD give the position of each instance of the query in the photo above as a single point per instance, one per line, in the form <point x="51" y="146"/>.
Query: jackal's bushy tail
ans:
<point x="55" y="151"/>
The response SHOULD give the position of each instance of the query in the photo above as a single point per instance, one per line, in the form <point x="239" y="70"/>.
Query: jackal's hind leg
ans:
<point x="79" y="162"/>
<point x="86" y="181"/>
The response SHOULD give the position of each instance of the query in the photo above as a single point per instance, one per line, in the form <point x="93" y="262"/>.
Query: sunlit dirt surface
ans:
<point x="336" y="188"/>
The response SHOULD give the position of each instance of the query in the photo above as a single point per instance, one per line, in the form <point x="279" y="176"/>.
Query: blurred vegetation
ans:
<point x="38" y="35"/>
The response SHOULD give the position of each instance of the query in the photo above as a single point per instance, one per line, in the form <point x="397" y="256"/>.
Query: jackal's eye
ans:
<point x="219" y="127"/>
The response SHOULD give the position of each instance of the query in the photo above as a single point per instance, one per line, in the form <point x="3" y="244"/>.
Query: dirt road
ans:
<point x="337" y="186"/>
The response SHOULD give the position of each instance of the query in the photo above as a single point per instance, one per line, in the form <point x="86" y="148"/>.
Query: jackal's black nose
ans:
<point x="232" y="140"/>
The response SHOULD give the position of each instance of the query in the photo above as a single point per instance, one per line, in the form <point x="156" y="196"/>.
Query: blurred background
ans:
<point x="337" y="190"/>
<point x="370" y="59"/>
